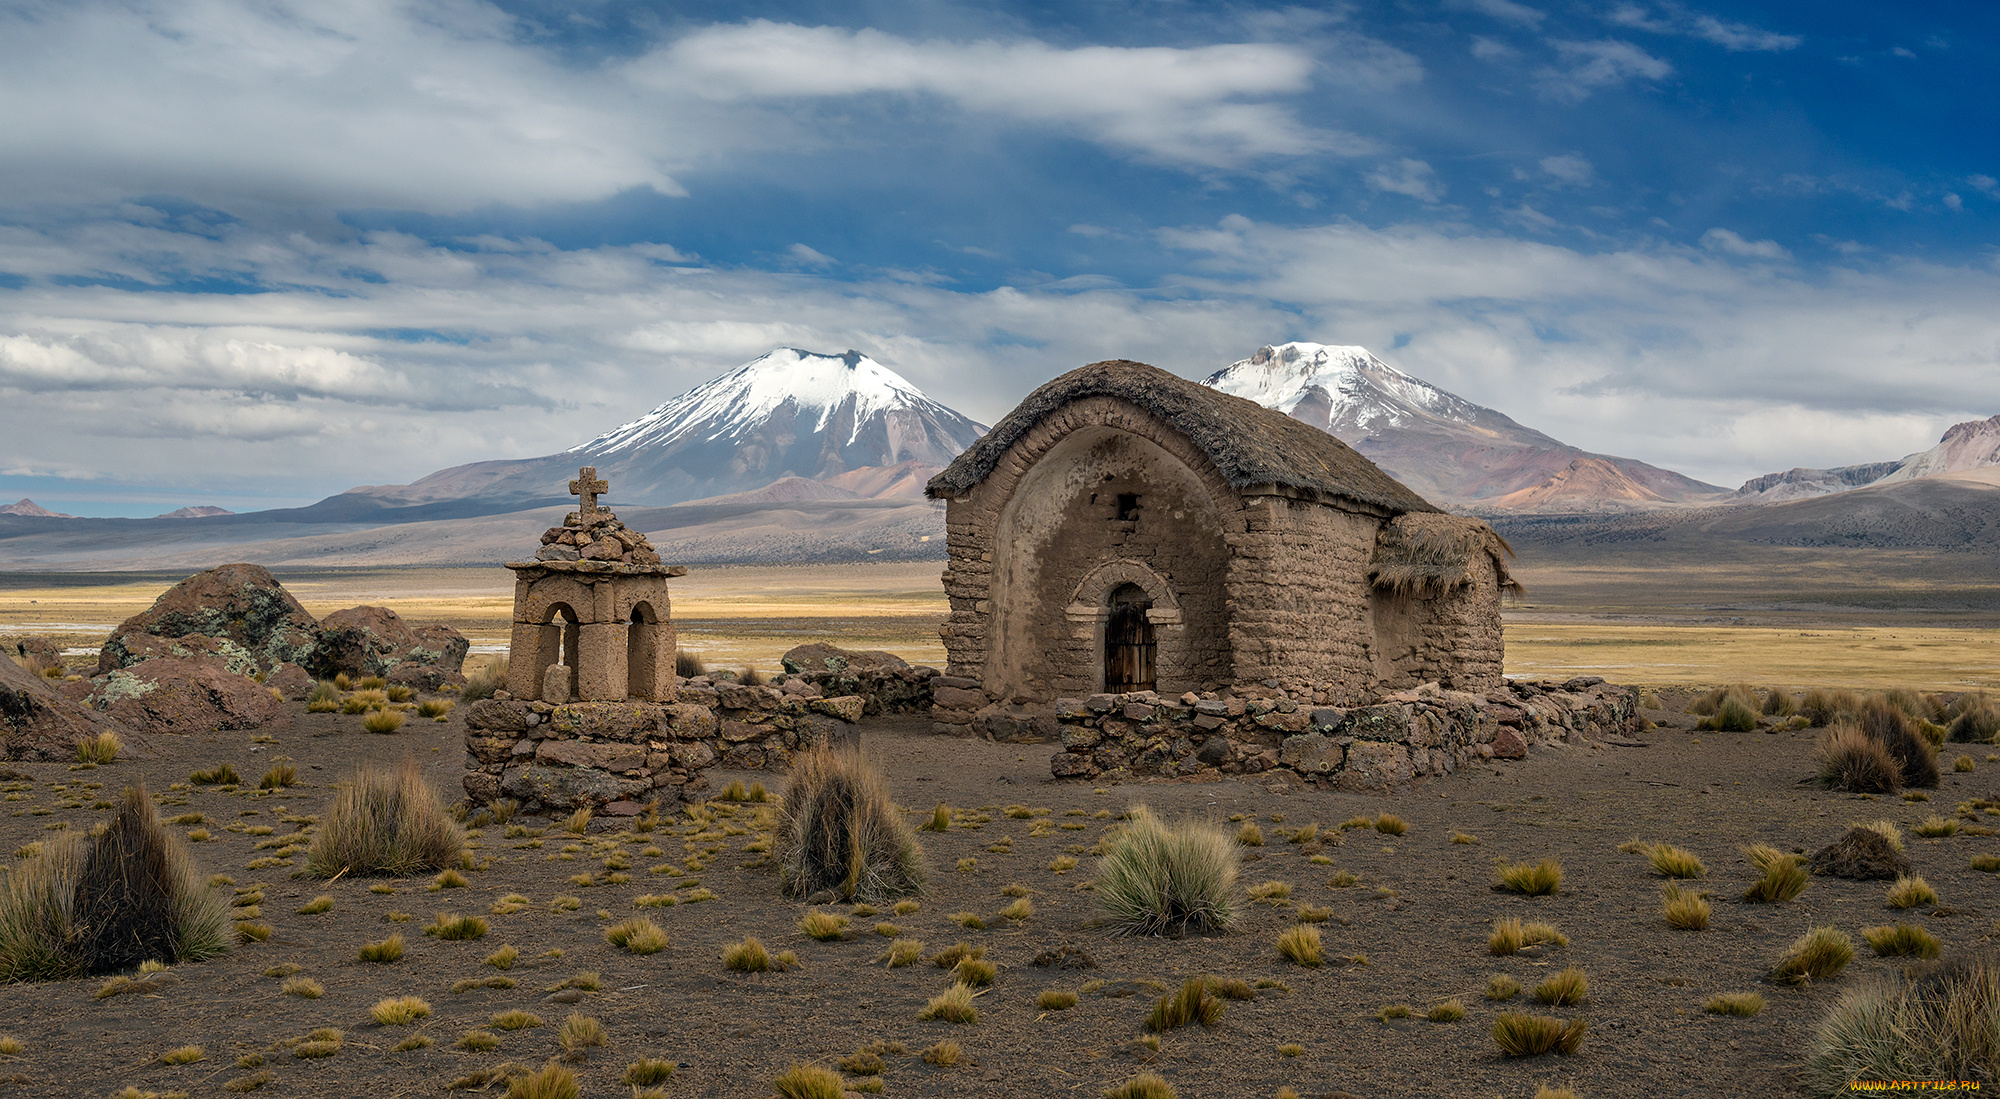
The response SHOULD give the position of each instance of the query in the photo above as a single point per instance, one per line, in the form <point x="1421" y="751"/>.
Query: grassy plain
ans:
<point x="1657" y="625"/>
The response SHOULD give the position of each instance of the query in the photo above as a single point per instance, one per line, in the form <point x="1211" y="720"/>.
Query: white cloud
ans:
<point x="1987" y="184"/>
<point x="1722" y="240"/>
<point x="1507" y="11"/>
<point x="1676" y="19"/>
<point x="1573" y="170"/>
<point x="810" y="256"/>
<point x="1591" y="66"/>
<point x="1408" y="177"/>
<point x="1953" y="202"/>
<point x="1202" y="105"/>
<point x="1486" y="49"/>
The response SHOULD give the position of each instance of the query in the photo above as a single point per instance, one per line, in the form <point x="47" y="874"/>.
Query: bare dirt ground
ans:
<point x="1419" y="912"/>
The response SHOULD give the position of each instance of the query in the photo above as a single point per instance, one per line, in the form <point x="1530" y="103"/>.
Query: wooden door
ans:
<point x="1128" y="648"/>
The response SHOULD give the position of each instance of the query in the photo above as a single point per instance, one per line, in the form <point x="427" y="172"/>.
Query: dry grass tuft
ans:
<point x="1390" y="825"/>
<point x="748" y="956"/>
<point x="1818" y="955"/>
<point x="1571" y="986"/>
<point x="384" y="822"/>
<point x="1146" y="1085"/>
<point x="1935" y="827"/>
<point x="1686" y="909"/>
<point x="637" y="935"/>
<point x="1250" y="835"/>
<point x="1941" y="1023"/>
<point x="1450" y="1011"/>
<point x="940" y="820"/>
<point x="1910" y="891"/>
<point x="1300" y="945"/>
<point x="1520" y="1035"/>
<point x="514" y="1019"/>
<point x="1168" y="879"/>
<point x="1851" y="760"/>
<point x="954" y="1005"/>
<point x="647" y="1071"/>
<point x="1902" y="941"/>
<point x="552" y="1082"/>
<point x="1783" y="877"/>
<point x="903" y="952"/>
<point x="580" y="1032"/>
<point x="824" y="927"/>
<point x="1530" y="879"/>
<point x="1055" y="999"/>
<point x="305" y="988"/>
<point x="384" y="952"/>
<point x="945" y="1054"/>
<point x="128" y="895"/>
<point x="840" y="831"/>
<point x="1502" y="987"/>
<point x="1194" y="1003"/>
<point x="101" y="749"/>
<point x="399" y="1010"/>
<point x="1675" y="862"/>
<point x="182" y="1055"/>
<point x="1743" y="1005"/>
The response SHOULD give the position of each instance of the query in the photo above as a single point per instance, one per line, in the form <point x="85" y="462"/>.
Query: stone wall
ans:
<point x="1300" y="598"/>
<point x="617" y="756"/>
<point x="886" y="683"/>
<point x="1398" y="737"/>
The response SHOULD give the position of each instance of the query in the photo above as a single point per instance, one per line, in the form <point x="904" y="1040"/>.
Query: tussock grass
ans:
<point x="839" y="831"/>
<point x="1914" y="753"/>
<point x="503" y="958"/>
<point x="1392" y="1011"/>
<point x="1300" y="945"/>
<point x="1450" y="1011"/>
<point x="449" y="878"/>
<point x="127" y="895"/>
<point x="514" y="1019"/>
<point x="384" y="822"/>
<point x="1910" y="891"/>
<point x="1501" y="987"/>
<point x="1734" y="714"/>
<point x="1686" y="909"/>
<point x="383" y="721"/>
<point x="580" y="1032"/>
<point x="399" y="1010"/>
<point x="1936" y="827"/>
<point x="940" y="819"/>
<point x="1521" y="1035"/>
<point x="1675" y="862"/>
<point x="953" y="1005"/>
<point x="385" y="952"/>
<point x="1818" y="955"/>
<point x="1021" y="909"/>
<point x="1851" y="760"/>
<point x="748" y="956"/>
<point x="1270" y="892"/>
<point x="1942" y="1023"/>
<point x="1390" y="825"/>
<point x="222" y="774"/>
<point x="903" y="952"/>
<point x="1783" y="875"/>
<point x="1464" y="838"/>
<point x="824" y="927"/>
<point x="1902" y="941"/>
<point x="1571" y="986"/>
<point x="1743" y="1005"/>
<point x="305" y="988"/>
<point x="1146" y="1085"/>
<point x="647" y="1071"/>
<point x="1192" y="1003"/>
<point x="975" y="972"/>
<point x="1168" y="879"/>
<point x="452" y="927"/>
<point x="281" y="776"/>
<point x="1506" y="938"/>
<point x="553" y="1081"/>
<point x="180" y="1055"/>
<point x="101" y="749"/>
<point x="1530" y="879"/>
<point x="1250" y="835"/>
<point x="945" y="1054"/>
<point x="1055" y="999"/>
<point x="477" y="1041"/>
<point x="318" y="906"/>
<point x="637" y="935"/>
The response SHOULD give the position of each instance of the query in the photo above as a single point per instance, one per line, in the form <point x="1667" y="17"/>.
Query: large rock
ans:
<point x="243" y="605"/>
<point x="821" y="657"/>
<point x="364" y="641"/>
<point x="185" y="695"/>
<point x="37" y="721"/>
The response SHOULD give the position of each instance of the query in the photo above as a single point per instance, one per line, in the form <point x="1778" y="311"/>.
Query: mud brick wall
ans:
<point x="1301" y="600"/>
<point x="1397" y="738"/>
<point x="615" y="757"/>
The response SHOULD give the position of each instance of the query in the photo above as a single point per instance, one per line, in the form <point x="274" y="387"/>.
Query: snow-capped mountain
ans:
<point x="1444" y="446"/>
<point x="790" y="413"/>
<point x="1972" y="445"/>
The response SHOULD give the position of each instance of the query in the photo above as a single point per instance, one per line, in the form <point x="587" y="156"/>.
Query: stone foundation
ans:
<point x="1401" y="736"/>
<point x="615" y="757"/>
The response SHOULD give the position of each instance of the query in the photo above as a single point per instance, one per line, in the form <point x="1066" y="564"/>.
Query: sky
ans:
<point x="255" y="253"/>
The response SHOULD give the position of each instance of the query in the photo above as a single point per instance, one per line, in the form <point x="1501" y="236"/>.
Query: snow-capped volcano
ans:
<point x="1345" y="390"/>
<point x="1444" y="446"/>
<point x="790" y="413"/>
<point x="840" y="398"/>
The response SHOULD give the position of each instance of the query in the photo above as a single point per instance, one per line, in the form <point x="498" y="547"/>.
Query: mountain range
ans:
<point x="1450" y="450"/>
<point x="799" y="456"/>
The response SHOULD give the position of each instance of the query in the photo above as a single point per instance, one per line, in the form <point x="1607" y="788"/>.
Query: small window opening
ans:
<point x="1128" y="507"/>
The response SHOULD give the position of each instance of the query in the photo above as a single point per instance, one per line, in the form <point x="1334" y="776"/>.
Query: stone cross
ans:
<point x="585" y="488"/>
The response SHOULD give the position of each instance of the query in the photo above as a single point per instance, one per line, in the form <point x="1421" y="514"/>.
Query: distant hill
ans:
<point x="33" y="510"/>
<point x="1972" y="445"/>
<point x="202" y="511"/>
<point x="1454" y="452"/>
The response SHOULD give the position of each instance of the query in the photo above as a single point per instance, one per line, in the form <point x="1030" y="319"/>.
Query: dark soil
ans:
<point x="1419" y="913"/>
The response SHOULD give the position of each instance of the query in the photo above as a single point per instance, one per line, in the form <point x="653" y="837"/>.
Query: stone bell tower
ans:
<point x="591" y="617"/>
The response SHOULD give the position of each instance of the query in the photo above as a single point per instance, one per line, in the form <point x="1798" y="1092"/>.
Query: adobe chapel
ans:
<point x="1128" y="530"/>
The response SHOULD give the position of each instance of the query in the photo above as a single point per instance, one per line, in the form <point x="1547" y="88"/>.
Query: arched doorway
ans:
<point x="561" y="633"/>
<point x="642" y="651"/>
<point x="1128" y="642"/>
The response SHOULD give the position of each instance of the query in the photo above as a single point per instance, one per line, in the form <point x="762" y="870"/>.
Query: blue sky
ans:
<point x="255" y="253"/>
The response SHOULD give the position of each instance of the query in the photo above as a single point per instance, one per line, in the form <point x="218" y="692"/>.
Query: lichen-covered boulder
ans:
<point x="364" y="641"/>
<point x="820" y="657"/>
<point x="185" y="695"/>
<point x="39" y="721"/>
<point x="242" y="605"/>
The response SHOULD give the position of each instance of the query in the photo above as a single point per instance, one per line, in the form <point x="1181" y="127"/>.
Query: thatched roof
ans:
<point x="1430" y="555"/>
<point x="1251" y="445"/>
